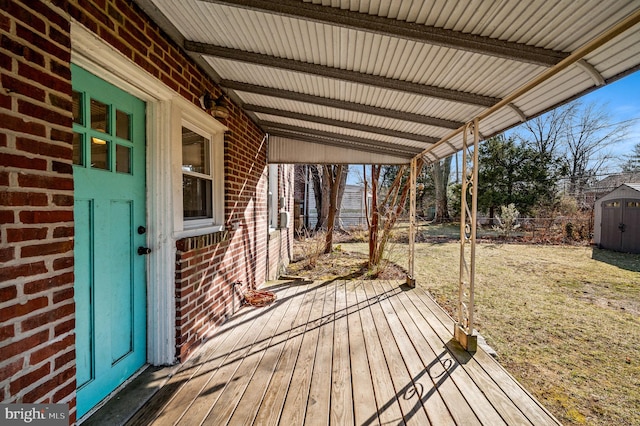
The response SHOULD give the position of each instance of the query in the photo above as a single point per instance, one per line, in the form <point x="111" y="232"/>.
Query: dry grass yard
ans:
<point x="565" y="320"/>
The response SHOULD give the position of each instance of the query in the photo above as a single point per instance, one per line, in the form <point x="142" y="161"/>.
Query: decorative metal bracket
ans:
<point x="464" y="331"/>
<point x="411" y="280"/>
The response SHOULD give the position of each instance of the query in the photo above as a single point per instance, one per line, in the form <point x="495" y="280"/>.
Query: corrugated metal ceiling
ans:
<point x="391" y="77"/>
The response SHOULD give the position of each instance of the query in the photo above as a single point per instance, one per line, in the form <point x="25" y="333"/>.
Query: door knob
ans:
<point x="144" y="250"/>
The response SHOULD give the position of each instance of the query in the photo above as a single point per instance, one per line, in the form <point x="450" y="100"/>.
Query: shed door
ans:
<point x="610" y="232"/>
<point x="631" y="220"/>
<point x="109" y="208"/>
<point x="621" y="225"/>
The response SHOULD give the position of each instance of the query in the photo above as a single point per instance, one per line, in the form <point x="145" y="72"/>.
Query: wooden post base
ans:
<point x="468" y="341"/>
<point x="411" y="282"/>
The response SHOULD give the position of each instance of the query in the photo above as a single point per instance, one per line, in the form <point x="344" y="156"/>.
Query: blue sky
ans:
<point x="622" y="100"/>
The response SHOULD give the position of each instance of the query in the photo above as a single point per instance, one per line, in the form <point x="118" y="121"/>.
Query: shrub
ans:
<point x="507" y="220"/>
<point x="312" y="247"/>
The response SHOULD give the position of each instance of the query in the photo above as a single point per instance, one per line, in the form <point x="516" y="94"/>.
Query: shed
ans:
<point x="617" y="219"/>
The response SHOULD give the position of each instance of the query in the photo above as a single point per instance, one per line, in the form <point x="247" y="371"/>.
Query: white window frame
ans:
<point x="189" y="116"/>
<point x="190" y="223"/>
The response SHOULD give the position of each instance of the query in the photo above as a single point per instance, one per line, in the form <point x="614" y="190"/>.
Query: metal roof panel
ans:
<point x="451" y="48"/>
<point x="336" y="89"/>
<point x="342" y="115"/>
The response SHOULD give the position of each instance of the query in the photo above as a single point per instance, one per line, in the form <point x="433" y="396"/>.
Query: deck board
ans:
<point x="509" y="393"/>
<point x="439" y="337"/>
<point x="242" y="410"/>
<point x="295" y="405"/>
<point x="341" y="389"/>
<point x="427" y="395"/>
<point x="364" y="406"/>
<point x="404" y="387"/>
<point x="386" y="397"/>
<point x="436" y="363"/>
<point x="341" y="353"/>
<point x="222" y="379"/>
<point x="319" y="401"/>
<point x="271" y="405"/>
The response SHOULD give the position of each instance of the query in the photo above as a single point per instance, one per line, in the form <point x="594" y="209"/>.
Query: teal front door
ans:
<point x="109" y="214"/>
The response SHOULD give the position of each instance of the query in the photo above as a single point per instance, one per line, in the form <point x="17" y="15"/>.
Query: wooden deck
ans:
<point x="341" y="353"/>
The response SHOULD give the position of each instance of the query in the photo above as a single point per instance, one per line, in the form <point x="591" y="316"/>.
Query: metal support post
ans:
<point x="464" y="332"/>
<point x="411" y="280"/>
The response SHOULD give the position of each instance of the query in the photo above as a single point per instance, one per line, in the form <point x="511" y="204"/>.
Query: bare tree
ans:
<point x="586" y="135"/>
<point x="322" y="177"/>
<point x="316" y="180"/>
<point x="571" y="141"/>
<point x="385" y="212"/>
<point x="334" y="178"/>
<point x="440" y="172"/>
<point x="343" y="184"/>
<point x="326" y="184"/>
<point x="545" y="133"/>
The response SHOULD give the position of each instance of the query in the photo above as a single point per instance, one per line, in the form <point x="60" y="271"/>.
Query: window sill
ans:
<point x="195" y="232"/>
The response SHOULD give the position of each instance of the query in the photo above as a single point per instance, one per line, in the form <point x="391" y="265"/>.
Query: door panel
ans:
<point x="610" y="235"/>
<point x="83" y="294"/>
<point x="110" y="200"/>
<point x="631" y="220"/>
<point x="122" y="310"/>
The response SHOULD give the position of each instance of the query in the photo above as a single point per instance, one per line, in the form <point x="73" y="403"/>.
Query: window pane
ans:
<point x="123" y="159"/>
<point x="77" y="149"/>
<point x="99" y="116"/>
<point x="195" y="152"/>
<point x="196" y="194"/>
<point x="78" y="118"/>
<point x="123" y="125"/>
<point x="99" y="154"/>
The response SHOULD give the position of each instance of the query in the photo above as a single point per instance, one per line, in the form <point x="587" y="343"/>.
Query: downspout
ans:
<point x="266" y="137"/>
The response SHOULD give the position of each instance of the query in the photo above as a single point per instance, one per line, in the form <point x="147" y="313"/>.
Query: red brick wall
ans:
<point x="123" y="25"/>
<point x="208" y="267"/>
<point x="37" y="356"/>
<point x="199" y="308"/>
<point x="37" y="361"/>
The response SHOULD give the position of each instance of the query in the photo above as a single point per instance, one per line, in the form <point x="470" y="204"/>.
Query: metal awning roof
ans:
<point x="381" y="81"/>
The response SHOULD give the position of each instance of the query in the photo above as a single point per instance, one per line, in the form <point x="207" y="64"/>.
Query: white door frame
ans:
<point x="94" y="55"/>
